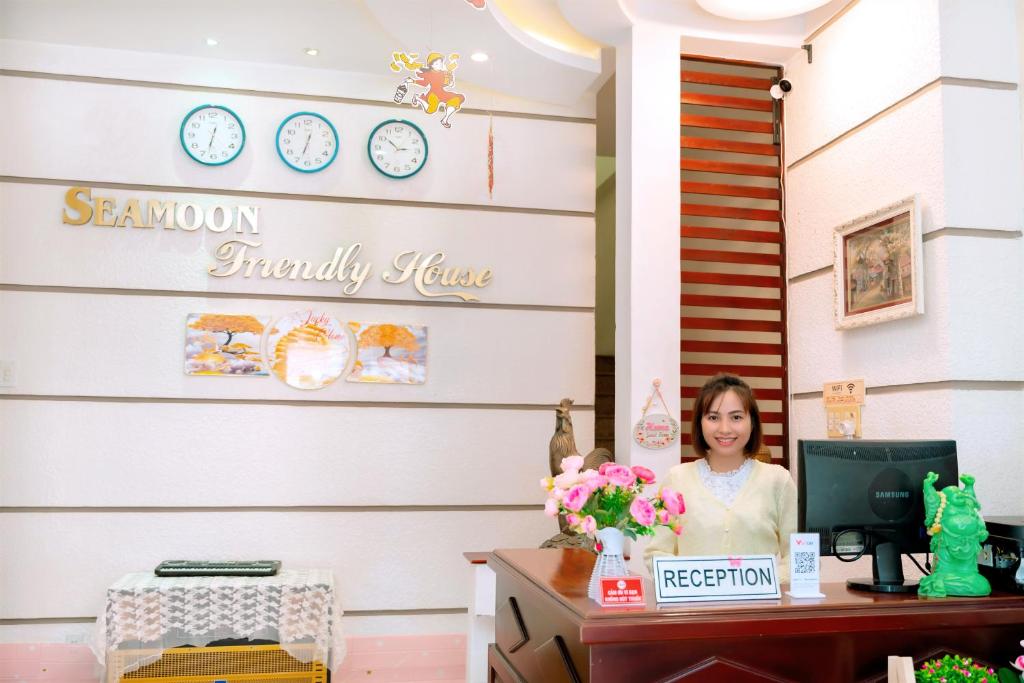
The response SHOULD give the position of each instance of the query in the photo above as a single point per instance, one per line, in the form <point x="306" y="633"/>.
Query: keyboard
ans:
<point x="224" y="568"/>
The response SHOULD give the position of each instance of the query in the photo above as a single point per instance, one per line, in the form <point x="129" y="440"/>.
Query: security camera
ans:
<point x="779" y="90"/>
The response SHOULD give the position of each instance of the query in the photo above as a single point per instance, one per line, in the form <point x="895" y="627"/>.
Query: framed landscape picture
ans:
<point x="878" y="273"/>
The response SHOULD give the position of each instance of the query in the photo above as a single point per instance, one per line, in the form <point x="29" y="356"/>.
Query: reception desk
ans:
<point x="548" y="631"/>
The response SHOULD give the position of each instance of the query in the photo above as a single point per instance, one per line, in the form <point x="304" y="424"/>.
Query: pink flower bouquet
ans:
<point x="612" y="496"/>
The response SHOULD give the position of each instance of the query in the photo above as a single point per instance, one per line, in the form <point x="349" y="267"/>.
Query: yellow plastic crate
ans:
<point x="231" y="664"/>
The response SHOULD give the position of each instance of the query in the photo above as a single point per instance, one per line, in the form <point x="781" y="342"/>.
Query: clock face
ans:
<point x="307" y="142"/>
<point x="398" y="149"/>
<point x="212" y="135"/>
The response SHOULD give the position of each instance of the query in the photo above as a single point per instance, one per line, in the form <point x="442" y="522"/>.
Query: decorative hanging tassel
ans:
<point x="490" y="157"/>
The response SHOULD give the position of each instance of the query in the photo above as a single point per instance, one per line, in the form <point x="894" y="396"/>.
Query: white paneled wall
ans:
<point x="129" y="134"/>
<point x="859" y="138"/>
<point x="504" y="242"/>
<point x="111" y="458"/>
<point x="383" y="560"/>
<point x="121" y="342"/>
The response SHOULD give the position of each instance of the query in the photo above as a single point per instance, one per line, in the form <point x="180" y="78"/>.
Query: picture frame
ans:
<point x="877" y="273"/>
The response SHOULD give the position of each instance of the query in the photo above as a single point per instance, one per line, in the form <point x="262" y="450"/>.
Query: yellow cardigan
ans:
<point x="759" y="522"/>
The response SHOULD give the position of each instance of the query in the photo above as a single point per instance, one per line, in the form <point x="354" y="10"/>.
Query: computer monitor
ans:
<point x="866" y="497"/>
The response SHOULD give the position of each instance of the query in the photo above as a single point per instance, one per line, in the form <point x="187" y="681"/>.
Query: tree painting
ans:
<point x="238" y="354"/>
<point x="228" y="324"/>
<point x="404" y="360"/>
<point x="389" y="337"/>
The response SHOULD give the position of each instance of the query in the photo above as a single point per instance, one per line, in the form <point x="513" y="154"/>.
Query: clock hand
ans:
<point x="307" y="144"/>
<point x="212" y="136"/>
<point x="392" y="144"/>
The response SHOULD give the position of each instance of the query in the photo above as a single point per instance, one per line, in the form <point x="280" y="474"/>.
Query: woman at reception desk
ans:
<point x="735" y="505"/>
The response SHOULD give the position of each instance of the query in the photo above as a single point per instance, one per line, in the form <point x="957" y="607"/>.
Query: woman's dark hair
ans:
<point x="712" y="389"/>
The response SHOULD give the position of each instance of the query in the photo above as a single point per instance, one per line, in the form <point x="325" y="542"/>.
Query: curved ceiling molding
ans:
<point x="605" y="21"/>
<point x="518" y="65"/>
<point x="540" y="26"/>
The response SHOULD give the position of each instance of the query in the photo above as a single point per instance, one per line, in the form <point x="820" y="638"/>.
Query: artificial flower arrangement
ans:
<point x="612" y="496"/>
<point x="955" y="669"/>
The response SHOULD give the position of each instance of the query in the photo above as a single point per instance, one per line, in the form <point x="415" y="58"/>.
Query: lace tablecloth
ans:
<point x="146" y="614"/>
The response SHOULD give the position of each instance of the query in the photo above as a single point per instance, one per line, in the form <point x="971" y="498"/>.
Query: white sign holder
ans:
<point x="804" y="566"/>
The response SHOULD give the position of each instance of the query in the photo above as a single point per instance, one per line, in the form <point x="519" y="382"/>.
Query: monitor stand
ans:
<point x="887" y="571"/>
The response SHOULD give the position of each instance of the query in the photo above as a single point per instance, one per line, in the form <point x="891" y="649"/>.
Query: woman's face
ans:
<point x="437" y="64"/>
<point x="726" y="425"/>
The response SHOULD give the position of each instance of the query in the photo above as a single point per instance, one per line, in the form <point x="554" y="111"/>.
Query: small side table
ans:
<point x="481" y="617"/>
<point x="147" y="614"/>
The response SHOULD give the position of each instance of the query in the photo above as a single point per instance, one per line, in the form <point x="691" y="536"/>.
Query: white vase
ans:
<point x="609" y="561"/>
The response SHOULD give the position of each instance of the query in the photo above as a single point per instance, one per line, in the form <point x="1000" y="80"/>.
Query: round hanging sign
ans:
<point x="656" y="431"/>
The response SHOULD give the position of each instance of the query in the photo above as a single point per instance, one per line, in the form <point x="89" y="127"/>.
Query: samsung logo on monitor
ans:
<point x="887" y="495"/>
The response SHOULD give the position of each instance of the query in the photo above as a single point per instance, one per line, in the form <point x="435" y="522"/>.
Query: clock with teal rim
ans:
<point x="212" y="135"/>
<point x="397" y="148"/>
<point x="307" y="142"/>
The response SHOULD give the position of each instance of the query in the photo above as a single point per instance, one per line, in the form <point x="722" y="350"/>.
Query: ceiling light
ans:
<point x="744" y="10"/>
<point x="312" y="51"/>
<point x="211" y="41"/>
<point x="479" y="57"/>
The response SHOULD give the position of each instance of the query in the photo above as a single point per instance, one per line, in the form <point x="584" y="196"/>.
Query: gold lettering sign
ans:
<point x="81" y="208"/>
<point x="428" y="273"/>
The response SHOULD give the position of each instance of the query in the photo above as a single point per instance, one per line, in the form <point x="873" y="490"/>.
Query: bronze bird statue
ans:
<point x="562" y="445"/>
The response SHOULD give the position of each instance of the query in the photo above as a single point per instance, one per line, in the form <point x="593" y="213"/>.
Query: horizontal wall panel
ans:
<point x="730" y="324"/>
<point x="730" y="190"/>
<point x="710" y="78"/>
<point x="60" y="454"/>
<point x="773" y="394"/>
<point x="912" y="137"/>
<point x="701" y="232"/>
<point x="195" y="72"/>
<point x="33" y="238"/>
<point x="729" y="257"/>
<point x="100" y="137"/>
<point x="692" y="142"/>
<point x="761" y="303"/>
<point x="698" y="346"/>
<point x="821" y="107"/>
<point x="380" y="560"/>
<point x="113" y="345"/>
<point x="698" y="121"/>
<point x="725" y="101"/>
<point x="771" y="216"/>
<point x="729" y="167"/>
<point x="731" y="279"/>
<point x="695" y="369"/>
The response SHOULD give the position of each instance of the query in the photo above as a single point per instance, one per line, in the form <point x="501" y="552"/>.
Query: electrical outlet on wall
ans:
<point x="7" y="373"/>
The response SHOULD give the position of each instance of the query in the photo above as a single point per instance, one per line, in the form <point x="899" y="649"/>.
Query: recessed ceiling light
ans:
<point x="312" y="51"/>
<point x="744" y="10"/>
<point x="479" y="57"/>
<point x="211" y="41"/>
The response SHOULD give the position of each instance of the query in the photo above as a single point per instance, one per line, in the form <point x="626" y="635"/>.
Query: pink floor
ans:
<point x="384" y="659"/>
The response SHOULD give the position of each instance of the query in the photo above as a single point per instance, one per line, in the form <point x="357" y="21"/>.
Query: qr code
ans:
<point x="803" y="563"/>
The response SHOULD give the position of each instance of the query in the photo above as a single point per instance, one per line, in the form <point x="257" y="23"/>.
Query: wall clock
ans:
<point x="397" y="148"/>
<point x="212" y="135"/>
<point x="307" y="142"/>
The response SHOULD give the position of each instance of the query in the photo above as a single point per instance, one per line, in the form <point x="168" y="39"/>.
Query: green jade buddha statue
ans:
<point x="954" y="521"/>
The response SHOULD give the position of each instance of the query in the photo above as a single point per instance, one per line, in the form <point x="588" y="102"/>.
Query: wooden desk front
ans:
<point x="548" y="631"/>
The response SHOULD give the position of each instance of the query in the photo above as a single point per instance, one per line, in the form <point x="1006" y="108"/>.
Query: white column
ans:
<point x="646" y="234"/>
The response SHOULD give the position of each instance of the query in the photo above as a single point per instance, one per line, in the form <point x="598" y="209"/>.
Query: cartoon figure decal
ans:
<point x="436" y="77"/>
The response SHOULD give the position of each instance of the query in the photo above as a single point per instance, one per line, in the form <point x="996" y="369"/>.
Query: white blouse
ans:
<point x="724" y="485"/>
